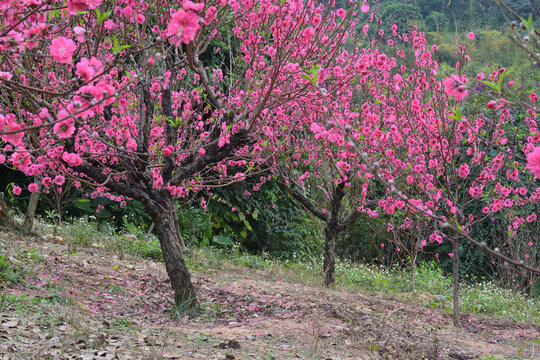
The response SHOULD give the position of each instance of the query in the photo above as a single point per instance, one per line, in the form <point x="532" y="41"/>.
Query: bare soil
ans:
<point x="93" y="305"/>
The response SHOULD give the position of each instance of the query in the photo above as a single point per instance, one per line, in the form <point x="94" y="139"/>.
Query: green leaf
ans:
<point x="501" y="78"/>
<point x="307" y="77"/>
<point x="457" y="114"/>
<point x="223" y="240"/>
<point x="492" y="85"/>
<point x="255" y="215"/>
<point x="117" y="48"/>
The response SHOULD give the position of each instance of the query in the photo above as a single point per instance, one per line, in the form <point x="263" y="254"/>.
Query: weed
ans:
<point x="122" y="324"/>
<point x="436" y="287"/>
<point x="9" y="274"/>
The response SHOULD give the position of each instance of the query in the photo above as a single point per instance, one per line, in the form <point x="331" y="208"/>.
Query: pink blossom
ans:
<point x="341" y="13"/>
<point x="59" y="180"/>
<point x="188" y="5"/>
<point x="415" y="105"/>
<point x="451" y="255"/>
<point x="168" y="150"/>
<point x="464" y="171"/>
<point x="5" y="75"/>
<point x="81" y="5"/>
<point x="17" y="190"/>
<point x="21" y="160"/>
<point x="65" y="128"/>
<point x="343" y="165"/>
<point x="202" y="151"/>
<point x="80" y="32"/>
<point x="8" y="123"/>
<point x="533" y="162"/>
<point x="364" y="7"/>
<point x="531" y="218"/>
<point x="140" y="18"/>
<point x="337" y="71"/>
<point x="87" y="68"/>
<point x="435" y="238"/>
<point x="72" y="159"/>
<point x="533" y="97"/>
<point x="470" y="35"/>
<point x="454" y="86"/>
<point x="62" y="49"/>
<point x="33" y="188"/>
<point x="131" y="144"/>
<point x="183" y="27"/>
<point x="365" y="29"/>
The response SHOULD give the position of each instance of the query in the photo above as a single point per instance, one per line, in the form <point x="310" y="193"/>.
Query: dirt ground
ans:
<point x="93" y="305"/>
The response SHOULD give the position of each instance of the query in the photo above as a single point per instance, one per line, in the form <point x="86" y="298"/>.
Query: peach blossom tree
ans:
<point x="123" y="97"/>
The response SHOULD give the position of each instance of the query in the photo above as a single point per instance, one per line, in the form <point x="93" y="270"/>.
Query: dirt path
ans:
<point x="93" y="305"/>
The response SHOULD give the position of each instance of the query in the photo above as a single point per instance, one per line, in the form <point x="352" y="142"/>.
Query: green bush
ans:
<point x="267" y="220"/>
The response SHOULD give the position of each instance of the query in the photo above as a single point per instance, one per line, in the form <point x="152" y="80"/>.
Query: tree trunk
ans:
<point x="5" y="218"/>
<point x="165" y="230"/>
<point x="31" y="210"/>
<point x="455" y="271"/>
<point x="413" y="263"/>
<point x="329" y="256"/>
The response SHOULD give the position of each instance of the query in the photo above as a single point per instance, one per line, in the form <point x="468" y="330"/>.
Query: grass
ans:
<point x="433" y="287"/>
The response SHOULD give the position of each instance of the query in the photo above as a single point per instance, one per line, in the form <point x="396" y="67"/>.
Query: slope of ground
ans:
<point x="93" y="305"/>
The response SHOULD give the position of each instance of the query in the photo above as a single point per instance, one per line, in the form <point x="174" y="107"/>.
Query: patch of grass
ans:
<point x="85" y="233"/>
<point x="29" y="255"/>
<point x="81" y="232"/>
<point x="253" y="261"/>
<point x="433" y="287"/>
<point x="123" y="325"/>
<point x="486" y="297"/>
<point x="134" y="245"/>
<point x="9" y="274"/>
<point x="114" y="288"/>
<point x="14" y="302"/>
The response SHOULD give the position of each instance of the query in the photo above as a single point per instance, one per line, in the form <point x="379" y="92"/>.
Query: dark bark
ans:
<point x="331" y="232"/>
<point x="455" y="290"/>
<point x="413" y="263"/>
<point x="31" y="210"/>
<point x="165" y="229"/>
<point x="329" y="256"/>
<point x="302" y="199"/>
<point x="5" y="218"/>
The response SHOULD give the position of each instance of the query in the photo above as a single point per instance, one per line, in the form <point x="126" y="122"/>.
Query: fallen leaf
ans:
<point x="230" y="344"/>
<point x="173" y="354"/>
<point x="10" y="324"/>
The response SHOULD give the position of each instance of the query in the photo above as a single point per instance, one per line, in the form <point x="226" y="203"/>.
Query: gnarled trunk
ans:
<point x="165" y="230"/>
<point x="31" y="210"/>
<point x="455" y="288"/>
<point x="329" y="256"/>
<point x="5" y="218"/>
